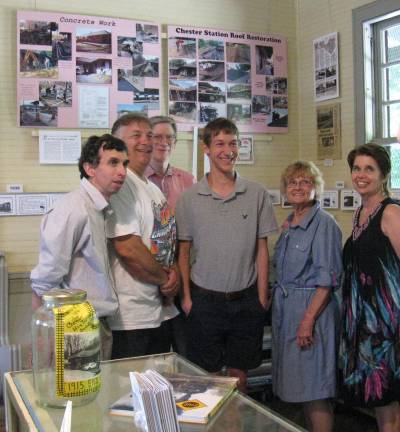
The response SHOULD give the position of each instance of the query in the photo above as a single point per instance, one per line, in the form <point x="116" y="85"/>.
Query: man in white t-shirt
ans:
<point x="143" y="234"/>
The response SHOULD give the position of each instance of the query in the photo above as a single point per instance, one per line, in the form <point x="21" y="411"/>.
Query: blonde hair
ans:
<point x="306" y="169"/>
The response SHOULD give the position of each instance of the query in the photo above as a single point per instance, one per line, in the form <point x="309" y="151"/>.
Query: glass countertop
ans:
<point x="239" y="414"/>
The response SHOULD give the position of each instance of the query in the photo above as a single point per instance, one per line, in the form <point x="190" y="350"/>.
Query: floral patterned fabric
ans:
<point x="370" y="344"/>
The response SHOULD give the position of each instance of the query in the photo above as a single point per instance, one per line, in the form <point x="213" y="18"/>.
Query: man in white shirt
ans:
<point x="73" y="244"/>
<point x="143" y="234"/>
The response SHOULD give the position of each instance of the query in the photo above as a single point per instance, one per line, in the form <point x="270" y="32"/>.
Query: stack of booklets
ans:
<point x="153" y="402"/>
<point x="196" y="398"/>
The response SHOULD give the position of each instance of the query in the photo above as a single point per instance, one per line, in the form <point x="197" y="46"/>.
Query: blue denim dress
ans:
<point x="306" y="256"/>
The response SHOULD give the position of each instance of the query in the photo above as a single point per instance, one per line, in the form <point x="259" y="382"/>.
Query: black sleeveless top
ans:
<point x="370" y="344"/>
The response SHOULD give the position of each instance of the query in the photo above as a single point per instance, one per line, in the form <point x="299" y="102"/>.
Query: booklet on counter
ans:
<point x="195" y="398"/>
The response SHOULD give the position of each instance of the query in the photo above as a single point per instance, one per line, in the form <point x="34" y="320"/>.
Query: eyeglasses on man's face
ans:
<point x="301" y="183"/>
<point x="168" y="138"/>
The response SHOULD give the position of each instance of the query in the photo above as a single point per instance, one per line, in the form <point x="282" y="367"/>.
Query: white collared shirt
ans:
<point x="73" y="248"/>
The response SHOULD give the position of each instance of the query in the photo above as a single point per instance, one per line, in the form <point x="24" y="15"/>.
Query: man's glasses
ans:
<point x="160" y="138"/>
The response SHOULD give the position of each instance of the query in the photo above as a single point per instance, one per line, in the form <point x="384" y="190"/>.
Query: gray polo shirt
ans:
<point x="224" y="232"/>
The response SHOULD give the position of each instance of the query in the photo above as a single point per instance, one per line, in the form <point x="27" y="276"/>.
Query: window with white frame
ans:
<point x="376" y="34"/>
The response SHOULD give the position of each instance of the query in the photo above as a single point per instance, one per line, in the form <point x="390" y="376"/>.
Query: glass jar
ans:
<point x="65" y="349"/>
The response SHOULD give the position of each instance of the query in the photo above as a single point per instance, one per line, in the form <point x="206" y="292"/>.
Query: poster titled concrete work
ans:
<point x="239" y="75"/>
<point x="85" y="71"/>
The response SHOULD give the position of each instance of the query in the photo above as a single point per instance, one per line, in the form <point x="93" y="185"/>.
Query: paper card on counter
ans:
<point x="66" y="423"/>
<point x="59" y="147"/>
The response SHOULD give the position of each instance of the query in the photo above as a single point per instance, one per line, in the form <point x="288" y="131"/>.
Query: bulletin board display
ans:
<point x="239" y="75"/>
<point x="76" y="71"/>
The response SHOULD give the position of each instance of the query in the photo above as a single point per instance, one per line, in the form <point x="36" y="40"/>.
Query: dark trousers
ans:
<point x="140" y="342"/>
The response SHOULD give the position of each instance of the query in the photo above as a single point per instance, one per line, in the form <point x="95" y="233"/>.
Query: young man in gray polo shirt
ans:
<point x="225" y="221"/>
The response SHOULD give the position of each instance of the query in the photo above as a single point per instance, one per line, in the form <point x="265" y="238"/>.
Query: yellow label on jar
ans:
<point x="77" y="350"/>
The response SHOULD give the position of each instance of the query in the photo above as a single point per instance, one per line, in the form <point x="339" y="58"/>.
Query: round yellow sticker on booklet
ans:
<point x="191" y="404"/>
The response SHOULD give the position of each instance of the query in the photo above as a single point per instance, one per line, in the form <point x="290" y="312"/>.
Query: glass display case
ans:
<point x="239" y="414"/>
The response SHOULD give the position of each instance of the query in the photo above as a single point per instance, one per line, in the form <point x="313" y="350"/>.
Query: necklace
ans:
<point x="357" y="228"/>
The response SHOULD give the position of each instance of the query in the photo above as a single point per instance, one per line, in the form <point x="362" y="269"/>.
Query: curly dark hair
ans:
<point x="91" y="149"/>
<point x="216" y="126"/>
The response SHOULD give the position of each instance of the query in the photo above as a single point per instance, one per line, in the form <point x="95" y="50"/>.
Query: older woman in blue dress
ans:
<point x="305" y="313"/>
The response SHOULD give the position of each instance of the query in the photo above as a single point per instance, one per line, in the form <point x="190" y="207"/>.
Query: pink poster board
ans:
<point x="239" y="75"/>
<point x="76" y="71"/>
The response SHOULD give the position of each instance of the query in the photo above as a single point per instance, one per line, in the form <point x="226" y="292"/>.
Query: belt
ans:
<point x="233" y="295"/>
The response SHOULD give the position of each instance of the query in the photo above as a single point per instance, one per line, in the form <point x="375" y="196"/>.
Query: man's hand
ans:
<point x="186" y="305"/>
<point x="171" y="287"/>
<point x="265" y="300"/>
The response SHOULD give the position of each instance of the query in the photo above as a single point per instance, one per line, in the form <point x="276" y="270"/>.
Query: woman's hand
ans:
<point x="304" y="335"/>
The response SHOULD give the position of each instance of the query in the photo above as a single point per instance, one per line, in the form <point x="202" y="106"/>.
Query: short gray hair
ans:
<point x="163" y="119"/>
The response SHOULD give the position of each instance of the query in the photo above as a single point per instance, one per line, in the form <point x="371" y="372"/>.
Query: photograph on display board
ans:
<point x="183" y="111"/>
<point x="238" y="73"/>
<point x="239" y="92"/>
<point x="140" y="108"/>
<point x="36" y="113"/>
<point x="93" y="40"/>
<point x="147" y="95"/>
<point x="182" y="90"/>
<point x="182" y="47"/>
<point x="211" y="111"/>
<point x="62" y="47"/>
<point x="128" y="46"/>
<point x="93" y="70"/>
<point x="37" y="64"/>
<point x="56" y="93"/>
<point x="128" y="82"/>
<point x="261" y="105"/>
<point x="211" y="70"/>
<point x="145" y="66"/>
<point x="239" y="113"/>
<point x="279" y="114"/>
<point x="182" y="69"/>
<point x="242" y="71"/>
<point x="36" y="32"/>
<point x="147" y="33"/>
<point x="237" y="53"/>
<point x="264" y="60"/>
<point x="113" y="56"/>
<point x="276" y="85"/>
<point x="211" y="92"/>
<point x="211" y="49"/>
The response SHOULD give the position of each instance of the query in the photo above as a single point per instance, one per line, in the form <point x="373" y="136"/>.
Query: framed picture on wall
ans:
<point x="330" y="199"/>
<point x="7" y="205"/>
<point x="285" y="203"/>
<point x="275" y="195"/>
<point x="349" y="199"/>
<point x="246" y="150"/>
<point x="326" y="67"/>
